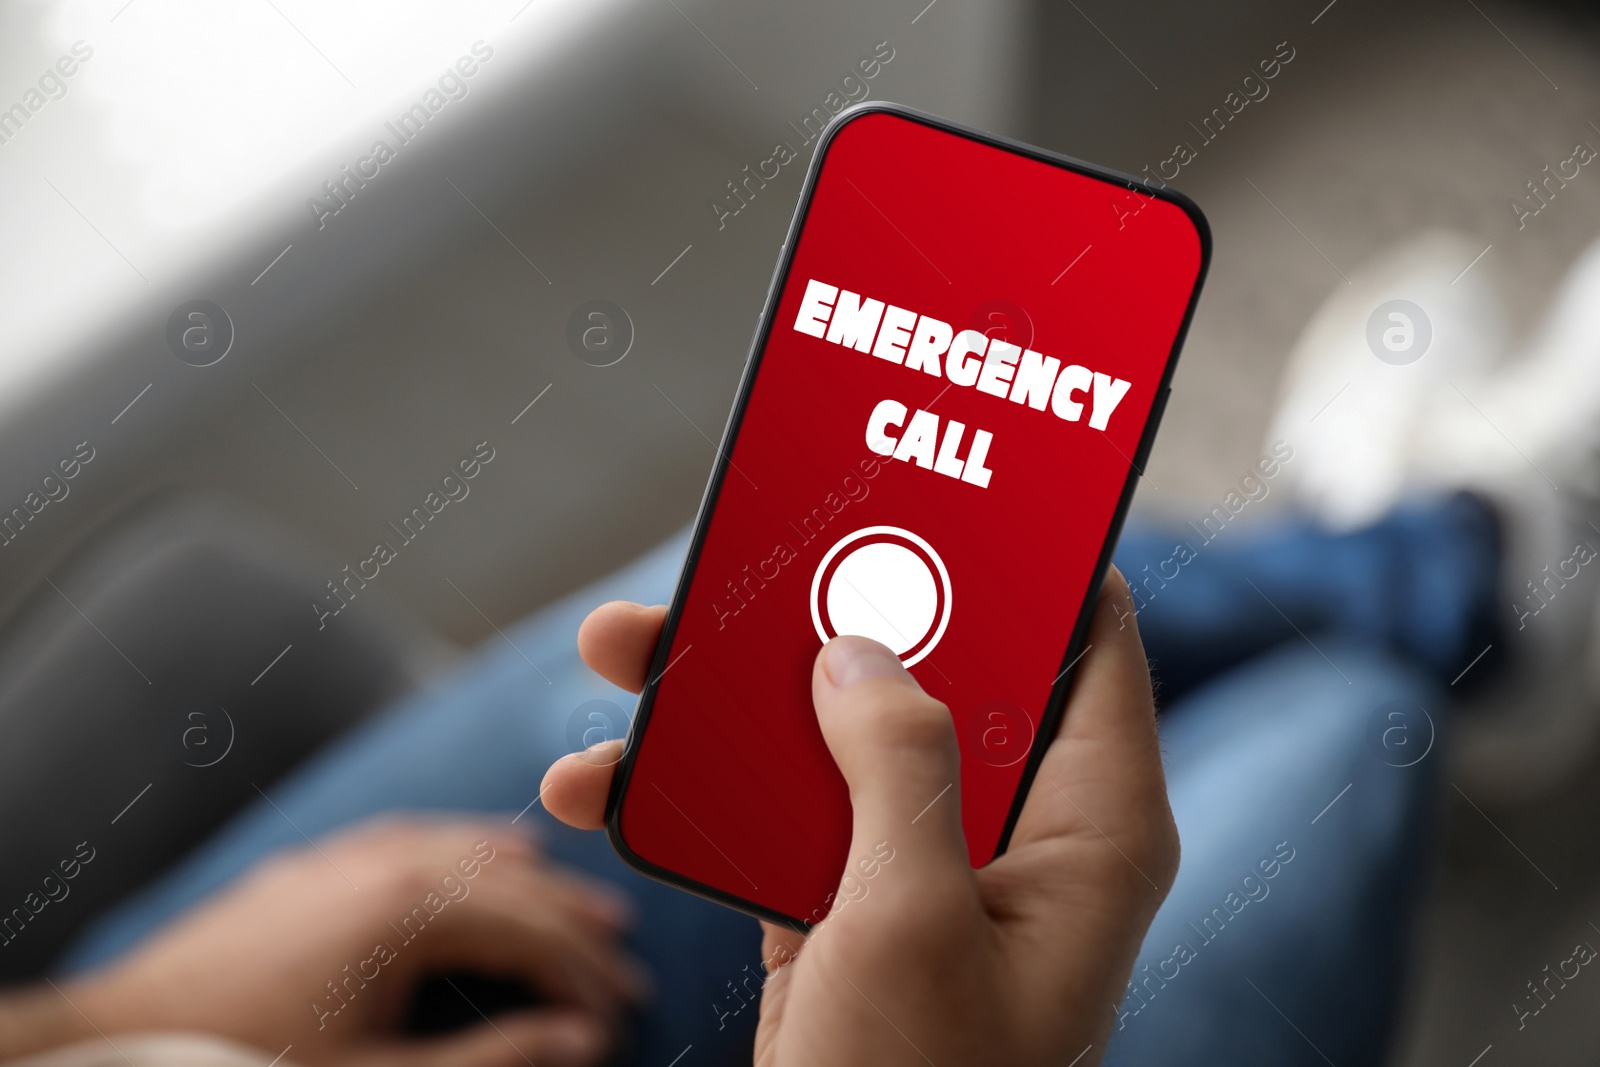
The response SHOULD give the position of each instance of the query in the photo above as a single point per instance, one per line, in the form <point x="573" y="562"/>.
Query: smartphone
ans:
<point x="953" y="387"/>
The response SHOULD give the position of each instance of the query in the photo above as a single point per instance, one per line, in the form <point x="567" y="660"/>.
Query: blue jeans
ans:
<point x="1303" y="812"/>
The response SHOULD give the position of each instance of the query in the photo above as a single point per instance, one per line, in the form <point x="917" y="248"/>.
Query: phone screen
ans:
<point x="936" y="439"/>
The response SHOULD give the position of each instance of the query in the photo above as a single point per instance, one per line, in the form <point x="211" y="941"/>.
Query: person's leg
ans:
<point x="1419" y="584"/>
<point x="479" y="739"/>
<point x="1304" y="787"/>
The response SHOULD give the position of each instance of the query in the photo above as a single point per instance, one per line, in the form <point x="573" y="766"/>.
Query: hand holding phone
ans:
<point x="923" y="958"/>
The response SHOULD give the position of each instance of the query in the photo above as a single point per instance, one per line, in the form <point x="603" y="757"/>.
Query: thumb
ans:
<point x="549" y="1037"/>
<point x="896" y="748"/>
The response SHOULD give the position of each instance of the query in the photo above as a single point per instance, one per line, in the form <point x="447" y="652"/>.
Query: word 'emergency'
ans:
<point x="969" y="358"/>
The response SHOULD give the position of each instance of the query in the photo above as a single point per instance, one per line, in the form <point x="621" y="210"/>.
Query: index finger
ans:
<point x="618" y="639"/>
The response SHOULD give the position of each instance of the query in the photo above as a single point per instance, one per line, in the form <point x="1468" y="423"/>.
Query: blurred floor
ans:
<point x="1385" y="123"/>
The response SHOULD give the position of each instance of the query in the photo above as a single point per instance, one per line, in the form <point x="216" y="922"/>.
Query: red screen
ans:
<point x="955" y="380"/>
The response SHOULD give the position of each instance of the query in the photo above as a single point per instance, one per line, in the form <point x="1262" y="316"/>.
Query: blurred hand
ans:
<point x="1018" y="963"/>
<point x="311" y="950"/>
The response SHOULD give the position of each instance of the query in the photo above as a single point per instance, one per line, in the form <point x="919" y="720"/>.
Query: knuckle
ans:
<point x="1169" y="856"/>
<point x="1155" y="840"/>
<point x="1155" y="850"/>
<point x="896" y="716"/>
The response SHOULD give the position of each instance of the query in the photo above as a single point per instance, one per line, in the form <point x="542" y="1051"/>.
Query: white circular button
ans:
<point x="885" y="583"/>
